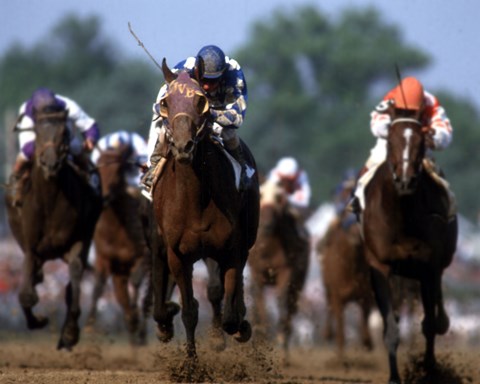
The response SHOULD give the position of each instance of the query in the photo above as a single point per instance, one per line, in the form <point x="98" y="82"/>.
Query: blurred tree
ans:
<point x="313" y="82"/>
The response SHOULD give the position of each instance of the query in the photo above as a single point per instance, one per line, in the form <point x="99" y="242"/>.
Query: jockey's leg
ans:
<point x="157" y="160"/>
<point x="234" y="148"/>
<point x="436" y="174"/>
<point x="18" y="178"/>
<point x="377" y="156"/>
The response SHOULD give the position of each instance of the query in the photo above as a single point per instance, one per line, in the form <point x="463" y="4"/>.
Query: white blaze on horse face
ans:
<point x="408" y="135"/>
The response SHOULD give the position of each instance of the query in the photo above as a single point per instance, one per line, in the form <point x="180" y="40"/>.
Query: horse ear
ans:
<point x="167" y="73"/>
<point x="199" y="69"/>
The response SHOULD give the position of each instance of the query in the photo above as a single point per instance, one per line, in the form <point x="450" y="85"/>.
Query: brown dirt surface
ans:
<point x="32" y="358"/>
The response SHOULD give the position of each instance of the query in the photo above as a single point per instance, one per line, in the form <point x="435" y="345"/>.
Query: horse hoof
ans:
<point x="62" y="345"/>
<point x="165" y="333"/>
<point x="68" y="340"/>
<point x="244" y="332"/>
<point x="442" y="324"/>
<point x="217" y="339"/>
<point x="38" y="323"/>
<point x="172" y="309"/>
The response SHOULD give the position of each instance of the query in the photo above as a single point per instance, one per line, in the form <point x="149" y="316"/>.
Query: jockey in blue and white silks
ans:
<point x="226" y="89"/>
<point x="137" y="159"/>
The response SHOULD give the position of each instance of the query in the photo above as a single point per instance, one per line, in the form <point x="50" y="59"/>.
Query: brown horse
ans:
<point x="273" y="263"/>
<point x="346" y="277"/>
<point x="200" y="213"/>
<point x="56" y="220"/>
<point x="120" y="246"/>
<point x="408" y="231"/>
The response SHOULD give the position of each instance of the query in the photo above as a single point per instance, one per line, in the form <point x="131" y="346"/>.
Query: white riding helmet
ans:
<point x="287" y="167"/>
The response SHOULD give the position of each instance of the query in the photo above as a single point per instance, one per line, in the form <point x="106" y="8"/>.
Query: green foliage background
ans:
<point x="312" y="83"/>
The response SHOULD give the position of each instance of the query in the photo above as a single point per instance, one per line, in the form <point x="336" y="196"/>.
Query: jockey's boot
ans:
<point x="237" y="154"/>
<point x="437" y="175"/>
<point x="18" y="179"/>
<point x="157" y="161"/>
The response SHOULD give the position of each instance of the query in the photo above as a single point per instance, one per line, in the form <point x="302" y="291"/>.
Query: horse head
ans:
<point x="185" y="108"/>
<point x="112" y="165"/>
<point x="273" y="206"/>
<point x="52" y="142"/>
<point x="405" y="153"/>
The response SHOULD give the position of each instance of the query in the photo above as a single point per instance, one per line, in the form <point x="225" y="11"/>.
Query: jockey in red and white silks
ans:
<point x="410" y="95"/>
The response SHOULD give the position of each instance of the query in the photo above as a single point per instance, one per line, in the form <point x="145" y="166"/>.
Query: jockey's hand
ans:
<point x="143" y="167"/>
<point x="429" y="133"/>
<point x="88" y="145"/>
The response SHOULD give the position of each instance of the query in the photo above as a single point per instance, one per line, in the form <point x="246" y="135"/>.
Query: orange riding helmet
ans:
<point x="408" y="94"/>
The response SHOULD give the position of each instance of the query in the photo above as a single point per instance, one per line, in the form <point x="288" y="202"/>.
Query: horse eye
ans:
<point x="202" y="105"/>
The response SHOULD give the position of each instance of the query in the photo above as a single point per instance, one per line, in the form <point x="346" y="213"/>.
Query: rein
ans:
<point x="406" y="120"/>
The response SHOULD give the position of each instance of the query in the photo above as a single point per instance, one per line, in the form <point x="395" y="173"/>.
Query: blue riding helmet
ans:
<point x="214" y="61"/>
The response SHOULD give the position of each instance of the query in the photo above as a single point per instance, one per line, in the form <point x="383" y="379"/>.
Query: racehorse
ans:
<point x="409" y="231"/>
<point x="57" y="219"/>
<point x="273" y="263"/>
<point x="121" y="254"/>
<point x="200" y="213"/>
<point x="346" y="278"/>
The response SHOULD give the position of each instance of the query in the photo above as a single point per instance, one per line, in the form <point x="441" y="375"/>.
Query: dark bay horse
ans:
<point x="408" y="231"/>
<point x="57" y="220"/>
<point x="120" y="246"/>
<point x="200" y="213"/>
<point x="273" y="264"/>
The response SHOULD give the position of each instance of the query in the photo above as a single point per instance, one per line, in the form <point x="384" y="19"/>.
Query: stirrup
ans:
<point x="354" y="206"/>
<point x="146" y="193"/>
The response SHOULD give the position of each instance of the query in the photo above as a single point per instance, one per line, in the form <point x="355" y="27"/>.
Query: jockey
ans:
<point x="410" y="99"/>
<point x="44" y="100"/>
<point x="226" y="89"/>
<point x="138" y="158"/>
<point x="294" y="180"/>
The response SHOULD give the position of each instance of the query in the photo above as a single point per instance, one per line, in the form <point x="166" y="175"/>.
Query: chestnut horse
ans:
<point x="273" y="263"/>
<point x="408" y="231"/>
<point x="57" y="219"/>
<point x="120" y="254"/>
<point x="345" y="275"/>
<point x="200" y="213"/>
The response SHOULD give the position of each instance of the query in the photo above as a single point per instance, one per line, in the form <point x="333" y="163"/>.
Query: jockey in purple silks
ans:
<point x="44" y="100"/>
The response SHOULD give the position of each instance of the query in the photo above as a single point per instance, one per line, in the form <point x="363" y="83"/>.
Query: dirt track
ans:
<point x="32" y="358"/>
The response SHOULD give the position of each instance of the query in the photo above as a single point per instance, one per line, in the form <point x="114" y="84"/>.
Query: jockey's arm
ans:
<point x="26" y="135"/>
<point x="86" y="125"/>
<point x="442" y="129"/>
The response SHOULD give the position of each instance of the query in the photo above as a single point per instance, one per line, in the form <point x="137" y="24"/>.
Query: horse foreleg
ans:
<point x="366" y="308"/>
<point x="28" y="296"/>
<point x="129" y="307"/>
<point x="429" y="296"/>
<point x="391" y="333"/>
<point x="183" y="273"/>
<point x="71" y="331"/>
<point x="287" y="308"/>
<point x="259" y="315"/>
<point x="234" y="322"/>
<point x="100" y="280"/>
<point x="137" y="276"/>
<point x="163" y="310"/>
<point x="215" y="297"/>
<point x="338" y="313"/>
<point x="442" y="321"/>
